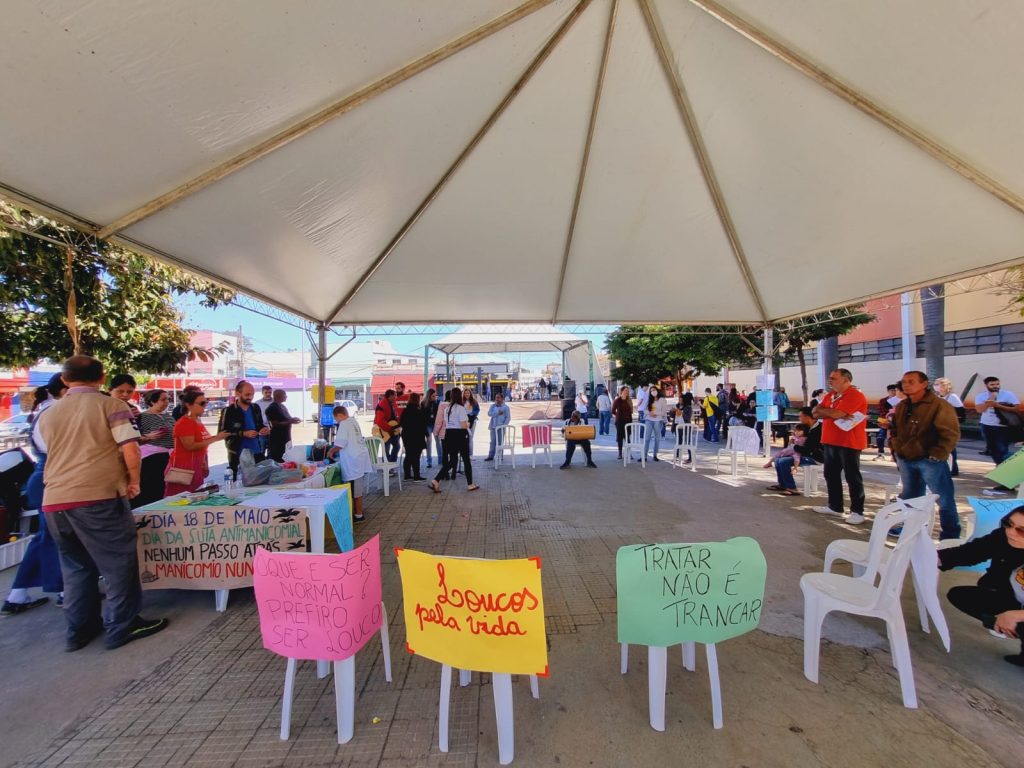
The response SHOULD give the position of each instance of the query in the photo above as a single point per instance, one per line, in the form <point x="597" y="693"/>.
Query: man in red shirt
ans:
<point x="843" y="413"/>
<point x="401" y="398"/>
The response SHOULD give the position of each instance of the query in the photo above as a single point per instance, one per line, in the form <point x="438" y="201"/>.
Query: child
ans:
<point x="799" y="436"/>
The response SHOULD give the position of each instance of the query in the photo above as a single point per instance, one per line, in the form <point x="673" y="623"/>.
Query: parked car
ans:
<point x="15" y="426"/>
<point x="352" y="406"/>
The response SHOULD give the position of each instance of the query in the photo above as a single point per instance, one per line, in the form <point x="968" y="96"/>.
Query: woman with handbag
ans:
<point x="156" y="426"/>
<point x="622" y="412"/>
<point x="456" y="442"/>
<point x="188" y="465"/>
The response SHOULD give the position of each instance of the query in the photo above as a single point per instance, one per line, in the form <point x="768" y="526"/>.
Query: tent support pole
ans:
<point x="701" y="153"/>
<point x="321" y="376"/>
<point x="855" y="98"/>
<point x="534" y="65"/>
<point x="766" y="369"/>
<point x="426" y="369"/>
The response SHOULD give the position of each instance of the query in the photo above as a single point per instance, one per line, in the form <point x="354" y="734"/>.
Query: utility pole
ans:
<point x="241" y="353"/>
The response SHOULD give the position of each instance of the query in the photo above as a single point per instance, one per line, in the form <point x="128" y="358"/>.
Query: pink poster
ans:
<point x="318" y="606"/>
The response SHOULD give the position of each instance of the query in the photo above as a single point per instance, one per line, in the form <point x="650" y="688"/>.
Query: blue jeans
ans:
<point x="606" y="423"/>
<point x="391" y="448"/>
<point x="711" y="429"/>
<point x="784" y="469"/>
<point x="997" y="439"/>
<point x="922" y="473"/>
<point x="653" y="431"/>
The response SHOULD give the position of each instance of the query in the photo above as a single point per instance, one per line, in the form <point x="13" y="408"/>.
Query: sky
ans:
<point x="270" y="335"/>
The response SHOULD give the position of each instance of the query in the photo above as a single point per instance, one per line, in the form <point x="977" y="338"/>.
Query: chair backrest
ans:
<point x="914" y="523"/>
<point x="540" y="434"/>
<point x="375" y="447"/>
<point x="743" y="439"/>
<point x="885" y="520"/>
<point x="505" y="435"/>
<point x="635" y="431"/>
<point x="688" y="435"/>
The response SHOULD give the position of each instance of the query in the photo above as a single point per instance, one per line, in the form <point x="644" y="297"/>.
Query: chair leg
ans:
<point x="812" y="636"/>
<point x="345" y="697"/>
<point x="690" y="657"/>
<point x="465" y="677"/>
<point x="385" y="642"/>
<point x="220" y="600"/>
<point x="922" y="606"/>
<point x="501" y="682"/>
<point x="624" y="658"/>
<point x="534" y="687"/>
<point x="900" y="649"/>
<point x="442" y="707"/>
<point x="286" y="699"/>
<point x="386" y="475"/>
<point x="716" y="686"/>
<point x="657" y="672"/>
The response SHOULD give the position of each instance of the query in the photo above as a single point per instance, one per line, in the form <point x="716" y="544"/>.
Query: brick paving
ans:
<point x="216" y="700"/>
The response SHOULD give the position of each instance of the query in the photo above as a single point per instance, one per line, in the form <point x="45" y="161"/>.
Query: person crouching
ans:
<point x="576" y="420"/>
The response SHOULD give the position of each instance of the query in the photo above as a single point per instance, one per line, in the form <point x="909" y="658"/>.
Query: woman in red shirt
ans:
<point x="190" y="443"/>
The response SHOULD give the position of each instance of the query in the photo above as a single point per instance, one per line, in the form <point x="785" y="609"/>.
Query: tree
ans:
<point x="648" y="353"/>
<point x="825" y="327"/>
<point x="933" y="317"/>
<point x="63" y="293"/>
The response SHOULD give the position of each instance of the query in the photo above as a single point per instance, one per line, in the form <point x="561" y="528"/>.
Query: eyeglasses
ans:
<point x="201" y="403"/>
<point x="1019" y="529"/>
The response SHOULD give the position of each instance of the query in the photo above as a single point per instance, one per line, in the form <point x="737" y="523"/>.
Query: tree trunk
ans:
<point x="803" y="372"/>
<point x="933" y="313"/>
<point x="828" y="354"/>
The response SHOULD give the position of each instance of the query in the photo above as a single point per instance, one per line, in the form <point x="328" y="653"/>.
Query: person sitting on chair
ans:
<point x="576" y="420"/>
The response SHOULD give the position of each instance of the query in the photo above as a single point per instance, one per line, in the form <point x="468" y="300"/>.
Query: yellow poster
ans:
<point x="482" y="615"/>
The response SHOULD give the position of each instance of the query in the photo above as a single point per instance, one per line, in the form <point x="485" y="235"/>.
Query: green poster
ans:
<point x="675" y="593"/>
<point x="1011" y="472"/>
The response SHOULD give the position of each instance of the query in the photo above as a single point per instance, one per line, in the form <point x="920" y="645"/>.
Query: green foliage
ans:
<point x="647" y="353"/>
<point x="122" y="310"/>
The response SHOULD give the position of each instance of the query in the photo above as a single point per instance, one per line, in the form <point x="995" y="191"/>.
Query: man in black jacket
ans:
<point x="810" y="452"/>
<point x="245" y="423"/>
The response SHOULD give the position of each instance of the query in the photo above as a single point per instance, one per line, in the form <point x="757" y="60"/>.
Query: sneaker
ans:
<point x="655" y="459"/>
<point x="9" y="609"/>
<point x="359" y="518"/>
<point x="563" y="466"/>
<point x="138" y="629"/>
<point x="895" y="532"/>
<point x="827" y="511"/>
<point x="855" y="518"/>
<point x="429" y="465"/>
<point x="59" y="602"/>
<point x="489" y="458"/>
<point x="592" y="465"/>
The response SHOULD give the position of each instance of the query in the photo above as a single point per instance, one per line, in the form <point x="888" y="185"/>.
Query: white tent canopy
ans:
<point x="497" y="339"/>
<point x="508" y="161"/>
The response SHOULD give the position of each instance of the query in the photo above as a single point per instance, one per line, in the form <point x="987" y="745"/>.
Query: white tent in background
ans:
<point x="579" y="360"/>
<point x="571" y="161"/>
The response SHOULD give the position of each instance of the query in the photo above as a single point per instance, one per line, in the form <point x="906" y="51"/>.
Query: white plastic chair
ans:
<point x="742" y="440"/>
<point x="635" y="432"/>
<point x="344" y="687"/>
<point x="923" y="565"/>
<point x="503" y="712"/>
<point x="540" y="439"/>
<point x="826" y="592"/>
<point x="657" y="672"/>
<point x="380" y="464"/>
<point x="686" y="440"/>
<point x="504" y="442"/>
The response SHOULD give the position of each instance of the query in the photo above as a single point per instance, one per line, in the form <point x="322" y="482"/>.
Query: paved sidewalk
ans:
<point x="205" y="693"/>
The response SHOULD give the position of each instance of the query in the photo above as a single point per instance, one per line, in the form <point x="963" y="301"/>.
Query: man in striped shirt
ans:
<point x="92" y="470"/>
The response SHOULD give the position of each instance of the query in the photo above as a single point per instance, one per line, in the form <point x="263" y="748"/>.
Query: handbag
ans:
<point x="179" y="476"/>
<point x="1009" y="419"/>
